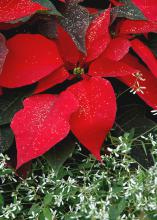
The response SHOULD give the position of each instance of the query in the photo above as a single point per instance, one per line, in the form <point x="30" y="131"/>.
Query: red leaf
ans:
<point x="96" y="114"/>
<point x="68" y="50"/>
<point x="117" y="48"/>
<point x="150" y="93"/>
<point x="148" y="8"/>
<point x="42" y="123"/>
<point x="15" y="9"/>
<point x="104" y="67"/>
<point x="145" y="54"/>
<point x="97" y="36"/>
<point x="30" y="58"/>
<point x="137" y="27"/>
<point x="51" y="80"/>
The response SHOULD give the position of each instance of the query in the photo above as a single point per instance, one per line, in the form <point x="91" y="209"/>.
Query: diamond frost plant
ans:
<point x="108" y="190"/>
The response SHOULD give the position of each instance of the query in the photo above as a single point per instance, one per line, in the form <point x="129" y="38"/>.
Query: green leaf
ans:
<point x="41" y="216"/>
<point x="47" y="214"/>
<point x="133" y="116"/>
<point x="60" y="153"/>
<point x="48" y="4"/>
<point x="121" y="205"/>
<point x="1" y="201"/>
<point x="10" y="103"/>
<point x="129" y="10"/>
<point x="116" y="209"/>
<point x="6" y="138"/>
<point x="75" y="21"/>
<point x="45" y="25"/>
<point x="35" y="208"/>
<point x="152" y="43"/>
<point x="45" y="3"/>
<point x="48" y="199"/>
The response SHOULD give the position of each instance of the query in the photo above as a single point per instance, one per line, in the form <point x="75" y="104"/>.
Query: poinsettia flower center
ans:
<point x="78" y="71"/>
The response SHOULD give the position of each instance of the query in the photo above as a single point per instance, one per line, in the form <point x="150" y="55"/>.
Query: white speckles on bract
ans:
<point x="42" y="123"/>
<point x="11" y="10"/>
<point x="97" y="37"/>
<point x="96" y="114"/>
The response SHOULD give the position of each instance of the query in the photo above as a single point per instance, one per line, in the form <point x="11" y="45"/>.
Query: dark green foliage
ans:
<point x="60" y="153"/>
<point x="129" y="10"/>
<point x="75" y="21"/>
<point x="6" y="138"/>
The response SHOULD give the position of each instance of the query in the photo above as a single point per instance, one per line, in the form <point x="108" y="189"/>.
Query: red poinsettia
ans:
<point x="87" y="108"/>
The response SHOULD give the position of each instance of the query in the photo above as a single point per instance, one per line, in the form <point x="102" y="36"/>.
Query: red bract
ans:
<point x="143" y="83"/>
<point x="67" y="48"/>
<point x="11" y="10"/>
<point x="137" y="27"/>
<point x="42" y="123"/>
<point x="145" y="54"/>
<point x="148" y="7"/>
<point x="117" y="48"/>
<point x="104" y="67"/>
<point x="53" y="79"/>
<point x="30" y="58"/>
<point x="109" y="64"/>
<point x="98" y="37"/>
<point x="96" y="113"/>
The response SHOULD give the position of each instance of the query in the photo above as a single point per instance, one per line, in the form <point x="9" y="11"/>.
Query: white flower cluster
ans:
<point x="87" y="190"/>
